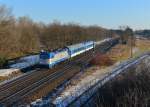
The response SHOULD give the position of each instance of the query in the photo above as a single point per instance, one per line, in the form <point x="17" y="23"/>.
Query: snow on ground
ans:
<point x="102" y="41"/>
<point x="6" y="72"/>
<point x="26" y="62"/>
<point x="135" y="50"/>
<point x="80" y="85"/>
<point x="77" y="87"/>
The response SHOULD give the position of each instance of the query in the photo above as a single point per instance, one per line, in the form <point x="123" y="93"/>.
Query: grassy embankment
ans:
<point x="131" y="89"/>
<point x="123" y="52"/>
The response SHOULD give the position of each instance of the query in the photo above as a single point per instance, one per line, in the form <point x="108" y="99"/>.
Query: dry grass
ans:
<point x="2" y="78"/>
<point x="10" y="76"/>
<point x="119" y="52"/>
<point x="123" y="52"/>
<point x="143" y="45"/>
<point x="130" y="89"/>
<point x="101" y="60"/>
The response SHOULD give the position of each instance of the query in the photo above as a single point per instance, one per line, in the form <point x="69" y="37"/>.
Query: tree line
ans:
<point x="22" y="36"/>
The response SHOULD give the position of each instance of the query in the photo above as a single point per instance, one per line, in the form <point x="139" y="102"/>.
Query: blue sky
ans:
<point x="105" y="13"/>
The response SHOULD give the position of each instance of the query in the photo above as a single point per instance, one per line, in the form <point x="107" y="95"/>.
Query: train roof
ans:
<point x="75" y="46"/>
<point x="71" y="47"/>
<point x="54" y="51"/>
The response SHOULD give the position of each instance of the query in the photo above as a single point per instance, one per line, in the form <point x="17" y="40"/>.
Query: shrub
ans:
<point x="3" y="61"/>
<point x="101" y="60"/>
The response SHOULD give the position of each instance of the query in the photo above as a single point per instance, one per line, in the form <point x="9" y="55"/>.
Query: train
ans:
<point x="52" y="58"/>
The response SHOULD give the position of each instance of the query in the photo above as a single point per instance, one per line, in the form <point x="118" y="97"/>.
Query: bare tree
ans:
<point x="29" y="41"/>
<point x="6" y="27"/>
<point x="22" y="36"/>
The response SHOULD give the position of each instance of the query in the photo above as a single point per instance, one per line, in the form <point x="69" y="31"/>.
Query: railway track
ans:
<point x="37" y="72"/>
<point x="23" y="86"/>
<point x="34" y="86"/>
<point x="13" y="86"/>
<point x="29" y="89"/>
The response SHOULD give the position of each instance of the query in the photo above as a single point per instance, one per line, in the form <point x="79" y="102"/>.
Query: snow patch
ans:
<point x="135" y="50"/>
<point x="103" y="75"/>
<point x="102" y="41"/>
<point x="83" y="84"/>
<point x="7" y="72"/>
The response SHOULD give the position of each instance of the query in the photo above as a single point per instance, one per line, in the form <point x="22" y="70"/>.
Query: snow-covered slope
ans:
<point x="98" y="77"/>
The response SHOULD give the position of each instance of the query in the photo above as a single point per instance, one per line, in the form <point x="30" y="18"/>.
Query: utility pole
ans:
<point x="129" y="37"/>
<point x="130" y="34"/>
<point x="131" y="40"/>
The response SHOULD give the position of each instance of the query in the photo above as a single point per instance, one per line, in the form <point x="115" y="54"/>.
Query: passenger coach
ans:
<point x="80" y="48"/>
<point x="49" y="59"/>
